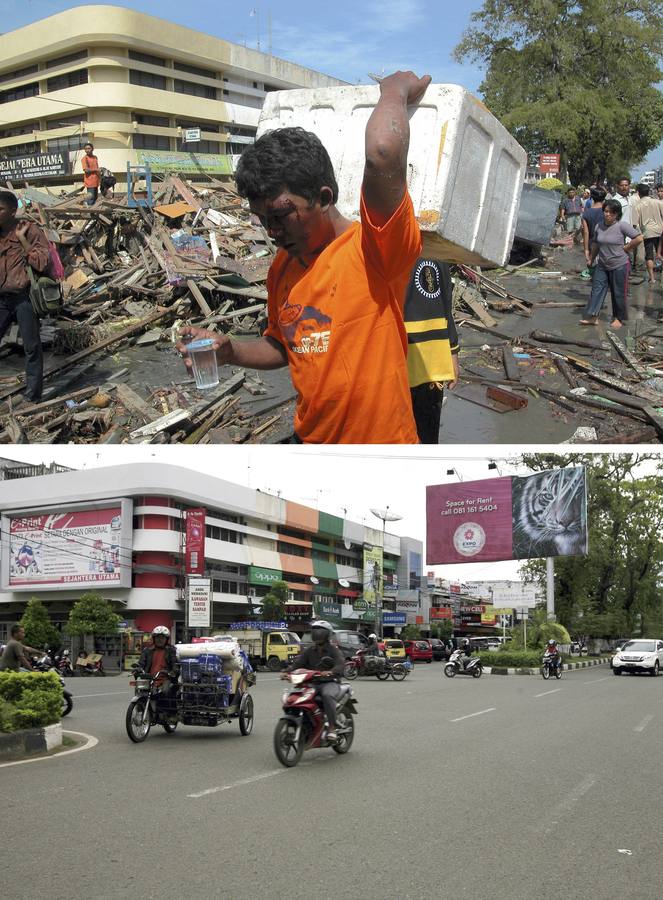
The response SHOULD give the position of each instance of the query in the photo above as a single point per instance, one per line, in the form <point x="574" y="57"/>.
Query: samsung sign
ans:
<point x="393" y="618"/>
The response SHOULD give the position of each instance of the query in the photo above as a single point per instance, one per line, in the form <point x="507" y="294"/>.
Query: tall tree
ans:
<point x="92" y="615"/>
<point x="615" y="588"/>
<point x="273" y="603"/>
<point x="576" y="77"/>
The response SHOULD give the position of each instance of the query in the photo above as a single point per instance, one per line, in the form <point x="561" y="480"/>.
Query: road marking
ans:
<point x="472" y="715"/>
<point x="91" y="742"/>
<point x="545" y="693"/>
<point x="643" y="724"/>
<point x="103" y="694"/>
<point x="569" y="802"/>
<point x="244" y="781"/>
<point x="596" y="680"/>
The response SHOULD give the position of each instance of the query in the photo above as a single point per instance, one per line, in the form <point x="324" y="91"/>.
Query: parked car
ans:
<point x="440" y="650"/>
<point x="419" y="650"/>
<point x="349" y="642"/>
<point x="639" y="656"/>
<point x="393" y="648"/>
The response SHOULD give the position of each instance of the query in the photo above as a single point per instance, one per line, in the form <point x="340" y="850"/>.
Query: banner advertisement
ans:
<point x="329" y="610"/>
<point x="199" y="602"/>
<point x="440" y="612"/>
<point x="540" y="515"/>
<point x="549" y="163"/>
<point x="372" y="574"/>
<point x="194" y="551"/>
<point x="164" y="161"/>
<point x="82" y="547"/>
<point x="44" y="165"/>
<point x="393" y="618"/>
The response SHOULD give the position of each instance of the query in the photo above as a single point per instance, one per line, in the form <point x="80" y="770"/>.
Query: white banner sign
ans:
<point x="200" y="602"/>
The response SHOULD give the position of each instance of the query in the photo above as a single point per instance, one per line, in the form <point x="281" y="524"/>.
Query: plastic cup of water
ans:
<point x="203" y="359"/>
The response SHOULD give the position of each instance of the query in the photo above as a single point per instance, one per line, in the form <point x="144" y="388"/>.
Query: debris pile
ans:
<point x="133" y="277"/>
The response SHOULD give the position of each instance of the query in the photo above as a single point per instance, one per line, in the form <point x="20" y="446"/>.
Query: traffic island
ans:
<point x="500" y="670"/>
<point x="29" y="742"/>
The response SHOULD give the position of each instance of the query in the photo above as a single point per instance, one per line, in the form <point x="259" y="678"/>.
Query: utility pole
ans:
<point x="385" y="516"/>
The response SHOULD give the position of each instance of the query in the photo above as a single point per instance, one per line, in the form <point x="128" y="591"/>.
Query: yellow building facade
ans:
<point x="133" y="85"/>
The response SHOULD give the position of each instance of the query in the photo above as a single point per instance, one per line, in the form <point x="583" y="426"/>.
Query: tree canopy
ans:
<point x="39" y="630"/>
<point x="615" y="590"/>
<point x="273" y="603"/>
<point x="92" y="615"/>
<point x="575" y="77"/>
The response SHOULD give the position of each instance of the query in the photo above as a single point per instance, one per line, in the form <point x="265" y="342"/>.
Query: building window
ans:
<point x="19" y="73"/>
<point x="15" y="130"/>
<point x="196" y="90"/>
<point x="200" y="146"/>
<point x="146" y="79"/>
<point x="154" y="121"/>
<point x="150" y="142"/>
<point x="63" y="60"/>
<point x="292" y="549"/>
<point x="20" y="93"/>
<point x="222" y="534"/>
<point x="146" y="58"/>
<point x="74" y="142"/>
<point x="70" y="79"/>
<point x="21" y="150"/>
<point x="194" y="70"/>
<point x="52" y="124"/>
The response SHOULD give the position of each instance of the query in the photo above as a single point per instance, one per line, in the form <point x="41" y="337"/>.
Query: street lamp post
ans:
<point x="385" y="516"/>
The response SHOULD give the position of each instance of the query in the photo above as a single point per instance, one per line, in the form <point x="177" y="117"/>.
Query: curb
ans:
<point x="578" y="665"/>
<point x="30" y="741"/>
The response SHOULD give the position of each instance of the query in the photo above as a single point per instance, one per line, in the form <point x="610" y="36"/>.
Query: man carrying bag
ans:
<point x="23" y="246"/>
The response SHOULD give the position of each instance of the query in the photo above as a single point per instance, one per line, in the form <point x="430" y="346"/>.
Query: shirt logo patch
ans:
<point x="303" y="328"/>
<point x="427" y="280"/>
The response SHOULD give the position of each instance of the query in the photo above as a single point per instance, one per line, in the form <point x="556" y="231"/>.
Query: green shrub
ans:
<point x="551" y="184"/>
<point x="512" y="659"/>
<point x="29" y="700"/>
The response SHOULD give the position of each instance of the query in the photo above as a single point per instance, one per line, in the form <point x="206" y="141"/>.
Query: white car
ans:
<point x="639" y="656"/>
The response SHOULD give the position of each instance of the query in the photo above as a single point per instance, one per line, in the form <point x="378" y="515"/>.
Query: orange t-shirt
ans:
<point x="341" y="323"/>
<point x="90" y="162"/>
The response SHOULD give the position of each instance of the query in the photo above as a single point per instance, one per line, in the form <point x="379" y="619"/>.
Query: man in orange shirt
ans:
<point x="91" y="175"/>
<point x="335" y="311"/>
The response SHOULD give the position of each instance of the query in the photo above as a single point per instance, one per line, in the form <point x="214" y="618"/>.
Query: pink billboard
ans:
<point x="507" y="518"/>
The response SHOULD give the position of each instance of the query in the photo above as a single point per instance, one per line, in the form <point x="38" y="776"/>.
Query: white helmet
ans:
<point x="321" y="631"/>
<point x="372" y="637"/>
<point x="160" y="629"/>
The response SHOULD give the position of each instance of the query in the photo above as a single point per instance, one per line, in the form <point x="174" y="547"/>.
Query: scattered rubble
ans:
<point x="134" y="276"/>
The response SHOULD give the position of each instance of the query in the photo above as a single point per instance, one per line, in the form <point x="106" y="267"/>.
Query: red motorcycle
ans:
<point x="303" y="725"/>
<point x="380" y="666"/>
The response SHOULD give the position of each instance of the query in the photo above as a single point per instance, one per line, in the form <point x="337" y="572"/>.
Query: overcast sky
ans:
<point x="336" y="480"/>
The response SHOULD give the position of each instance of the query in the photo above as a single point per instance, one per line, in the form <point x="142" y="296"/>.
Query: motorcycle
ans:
<point x="304" y="726"/>
<point x="551" y="665"/>
<point x="380" y="666"/>
<point x="202" y="703"/>
<point x="63" y="664"/>
<point x="45" y="664"/>
<point x="459" y="664"/>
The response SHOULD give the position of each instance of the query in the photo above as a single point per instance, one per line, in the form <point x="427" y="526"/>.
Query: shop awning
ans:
<point x="347" y="592"/>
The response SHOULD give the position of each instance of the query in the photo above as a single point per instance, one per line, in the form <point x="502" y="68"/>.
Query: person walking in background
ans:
<point x="432" y="356"/>
<point x="22" y="244"/>
<point x="91" y="174"/>
<point x="623" y="196"/>
<point x="613" y="265"/>
<point x="590" y="219"/>
<point x="571" y="210"/>
<point x="649" y="219"/>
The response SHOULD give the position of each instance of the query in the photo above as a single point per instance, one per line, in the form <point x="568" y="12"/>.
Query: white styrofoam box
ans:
<point x="465" y="171"/>
<point x="222" y="649"/>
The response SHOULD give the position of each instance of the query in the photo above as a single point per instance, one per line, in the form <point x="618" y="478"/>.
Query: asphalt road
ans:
<point x="502" y="788"/>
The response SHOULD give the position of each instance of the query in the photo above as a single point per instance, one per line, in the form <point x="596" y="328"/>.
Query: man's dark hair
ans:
<point x="597" y="194"/>
<point x="623" y="178"/>
<point x="9" y="199"/>
<point x="88" y="144"/>
<point x="643" y="190"/>
<point x="614" y="206"/>
<point x="14" y="630"/>
<point x="289" y="158"/>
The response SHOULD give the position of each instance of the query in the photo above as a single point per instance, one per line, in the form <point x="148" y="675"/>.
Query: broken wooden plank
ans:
<point x="200" y="300"/>
<point x="655" y="416"/>
<point x="510" y="364"/>
<point x="162" y="424"/>
<point x="626" y="355"/>
<point x="508" y="398"/>
<point x="132" y="402"/>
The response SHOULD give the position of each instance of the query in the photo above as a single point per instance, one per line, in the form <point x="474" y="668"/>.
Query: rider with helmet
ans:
<point x="552" y="653"/>
<point x="311" y="658"/>
<point x="372" y="648"/>
<point x="160" y="656"/>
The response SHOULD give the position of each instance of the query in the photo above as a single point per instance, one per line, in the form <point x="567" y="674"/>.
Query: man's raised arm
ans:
<point x="387" y="144"/>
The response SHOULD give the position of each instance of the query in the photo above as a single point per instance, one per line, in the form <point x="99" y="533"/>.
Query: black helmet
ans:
<point x="321" y="631"/>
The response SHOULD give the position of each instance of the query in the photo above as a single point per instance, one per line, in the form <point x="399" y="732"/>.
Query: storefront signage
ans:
<point x="359" y="605"/>
<point x="441" y="612"/>
<point x="194" y="553"/>
<point x="258" y="575"/>
<point x="549" y="163"/>
<point x="27" y="168"/>
<point x="199" y="603"/>
<point x="83" y="546"/>
<point x="393" y="618"/>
